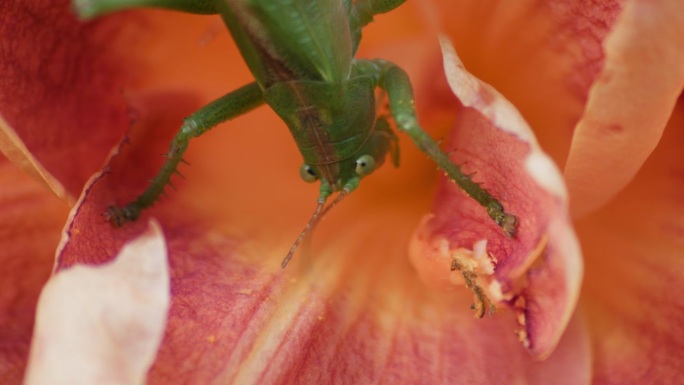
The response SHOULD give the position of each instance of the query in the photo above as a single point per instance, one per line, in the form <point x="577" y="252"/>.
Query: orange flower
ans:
<point x="597" y="83"/>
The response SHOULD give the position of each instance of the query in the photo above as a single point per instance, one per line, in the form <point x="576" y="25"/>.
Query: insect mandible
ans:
<point x="301" y="53"/>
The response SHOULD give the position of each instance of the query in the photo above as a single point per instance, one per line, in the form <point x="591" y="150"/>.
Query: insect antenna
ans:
<point x="311" y="225"/>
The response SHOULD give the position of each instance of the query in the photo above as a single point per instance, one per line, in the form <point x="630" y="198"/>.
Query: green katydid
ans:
<point x="301" y="53"/>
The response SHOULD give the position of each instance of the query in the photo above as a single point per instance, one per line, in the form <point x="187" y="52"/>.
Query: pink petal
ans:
<point x="634" y="250"/>
<point x="354" y="313"/>
<point x="30" y="224"/>
<point x="14" y="149"/>
<point x="59" y="97"/>
<point x="104" y="324"/>
<point x="538" y="272"/>
<point x="543" y="56"/>
<point x="630" y="102"/>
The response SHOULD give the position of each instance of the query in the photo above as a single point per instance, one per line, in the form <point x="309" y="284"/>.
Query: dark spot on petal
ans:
<point x="615" y="128"/>
<point x="487" y="96"/>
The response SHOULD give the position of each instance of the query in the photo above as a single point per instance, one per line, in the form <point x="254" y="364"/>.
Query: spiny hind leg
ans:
<point x="227" y="107"/>
<point x="396" y="83"/>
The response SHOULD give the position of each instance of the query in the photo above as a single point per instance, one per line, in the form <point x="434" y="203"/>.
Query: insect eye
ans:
<point x="365" y="165"/>
<point x="308" y="174"/>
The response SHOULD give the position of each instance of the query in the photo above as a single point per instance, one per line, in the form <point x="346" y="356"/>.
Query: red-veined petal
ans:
<point x="634" y="250"/>
<point x="539" y="271"/>
<point x="103" y="324"/>
<point x="630" y="102"/>
<point x="30" y="224"/>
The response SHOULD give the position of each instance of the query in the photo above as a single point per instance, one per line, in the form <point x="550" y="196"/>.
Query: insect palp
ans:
<point x="309" y="225"/>
<point x="321" y="210"/>
<point x="334" y="203"/>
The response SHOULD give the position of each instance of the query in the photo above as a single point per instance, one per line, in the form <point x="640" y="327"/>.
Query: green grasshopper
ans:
<point x="301" y="53"/>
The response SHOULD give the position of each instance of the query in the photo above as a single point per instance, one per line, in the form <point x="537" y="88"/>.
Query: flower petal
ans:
<point x="32" y="219"/>
<point x="629" y="104"/>
<point x="634" y="250"/>
<point x="14" y="149"/>
<point x="58" y="97"/>
<point x="543" y="56"/>
<point x="354" y="313"/>
<point x="103" y="324"/>
<point x="539" y="271"/>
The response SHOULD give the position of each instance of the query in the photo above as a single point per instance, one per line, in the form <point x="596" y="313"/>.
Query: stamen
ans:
<point x="481" y="300"/>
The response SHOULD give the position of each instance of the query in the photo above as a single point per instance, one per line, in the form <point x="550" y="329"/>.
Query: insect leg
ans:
<point x="91" y="8"/>
<point x="227" y="107"/>
<point x="396" y="83"/>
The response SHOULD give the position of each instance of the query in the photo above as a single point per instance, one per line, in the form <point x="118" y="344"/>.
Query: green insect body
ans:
<point x="301" y="53"/>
